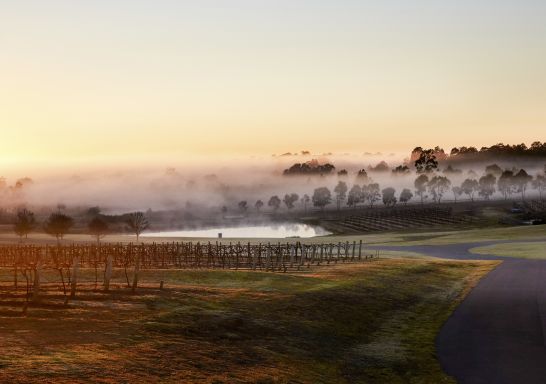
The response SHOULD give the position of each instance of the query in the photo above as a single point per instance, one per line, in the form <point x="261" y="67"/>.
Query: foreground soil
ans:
<point x="374" y="322"/>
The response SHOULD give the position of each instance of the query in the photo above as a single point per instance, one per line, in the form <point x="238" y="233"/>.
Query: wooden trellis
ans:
<point x="31" y="260"/>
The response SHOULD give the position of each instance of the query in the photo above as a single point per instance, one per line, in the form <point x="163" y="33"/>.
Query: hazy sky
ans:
<point x="139" y="79"/>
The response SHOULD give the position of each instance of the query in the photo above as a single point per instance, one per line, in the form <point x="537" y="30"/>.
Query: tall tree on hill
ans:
<point x="24" y="223"/>
<point x="137" y="223"/>
<point x="341" y="193"/>
<point x="426" y="163"/>
<point x="322" y="197"/>
<point x="420" y="184"/>
<point x="487" y="186"/>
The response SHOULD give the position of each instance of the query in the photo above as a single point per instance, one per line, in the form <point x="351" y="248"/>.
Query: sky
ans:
<point x="135" y="80"/>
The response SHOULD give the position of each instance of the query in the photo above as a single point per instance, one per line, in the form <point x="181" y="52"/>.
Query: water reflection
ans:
<point x="258" y="231"/>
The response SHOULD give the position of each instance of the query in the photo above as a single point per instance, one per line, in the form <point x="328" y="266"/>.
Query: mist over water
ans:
<point x="255" y="231"/>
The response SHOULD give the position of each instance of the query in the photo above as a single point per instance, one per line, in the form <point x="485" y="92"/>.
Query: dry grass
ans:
<point x="366" y="323"/>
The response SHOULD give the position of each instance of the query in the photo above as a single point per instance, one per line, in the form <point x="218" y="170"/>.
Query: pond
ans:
<point x="255" y="231"/>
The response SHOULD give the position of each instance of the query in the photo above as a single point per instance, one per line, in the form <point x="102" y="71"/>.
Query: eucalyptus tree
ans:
<point x="243" y="206"/>
<point x="521" y="182"/>
<point x="486" y="186"/>
<point x="274" y="202"/>
<point x="457" y="191"/>
<point x="505" y="183"/>
<point x="341" y="193"/>
<point x="322" y="197"/>
<point x="469" y="187"/>
<point x="305" y="199"/>
<point x="420" y="185"/>
<point x="540" y="184"/>
<point x="355" y="196"/>
<point x="426" y="163"/>
<point x="389" y="198"/>
<point x="290" y="199"/>
<point x="371" y="193"/>
<point x="437" y="186"/>
<point x="258" y="205"/>
<point x="494" y="170"/>
<point x="405" y="196"/>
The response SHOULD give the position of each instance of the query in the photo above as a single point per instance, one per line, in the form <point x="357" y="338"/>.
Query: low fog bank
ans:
<point x="166" y="187"/>
<point x="218" y="188"/>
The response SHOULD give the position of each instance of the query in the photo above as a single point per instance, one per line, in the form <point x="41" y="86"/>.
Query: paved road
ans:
<point x="498" y="333"/>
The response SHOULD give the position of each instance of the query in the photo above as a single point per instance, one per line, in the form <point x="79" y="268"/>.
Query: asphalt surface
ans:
<point x="497" y="335"/>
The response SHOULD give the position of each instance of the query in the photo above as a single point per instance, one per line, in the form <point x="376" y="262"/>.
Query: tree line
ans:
<point x="429" y="184"/>
<point x="58" y="224"/>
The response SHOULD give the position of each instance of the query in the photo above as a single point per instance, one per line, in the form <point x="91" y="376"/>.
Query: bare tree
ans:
<point x="138" y="223"/>
<point x="24" y="223"/>
<point x="58" y="225"/>
<point x="98" y="228"/>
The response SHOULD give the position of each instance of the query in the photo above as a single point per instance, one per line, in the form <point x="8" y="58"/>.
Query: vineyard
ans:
<point x="36" y="265"/>
<point x="392" y="219"/>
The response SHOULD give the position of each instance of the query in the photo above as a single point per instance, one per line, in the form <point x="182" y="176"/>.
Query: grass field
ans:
<point x="373" y="322"/>
<point x="404" y="237"/>
<point x="535" y="250"/>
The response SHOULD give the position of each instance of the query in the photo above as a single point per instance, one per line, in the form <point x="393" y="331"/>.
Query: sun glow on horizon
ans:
<point x="134" y="81"/>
